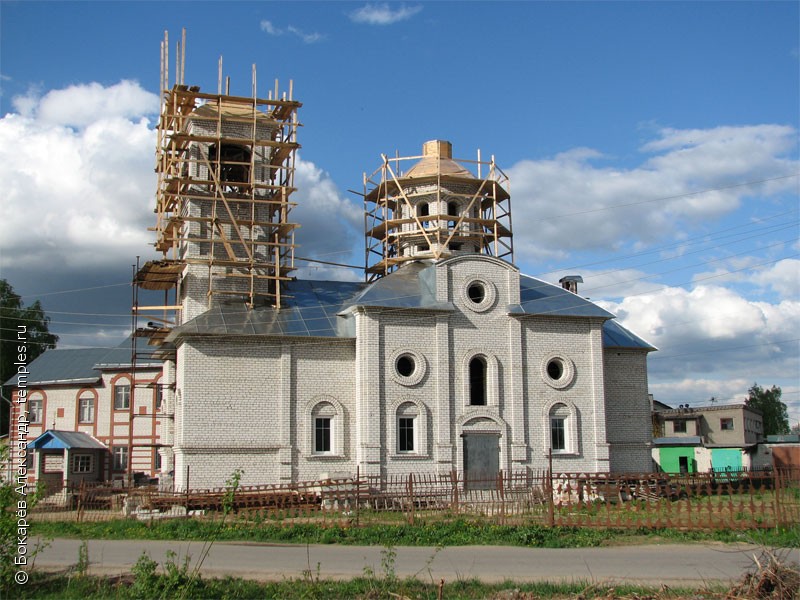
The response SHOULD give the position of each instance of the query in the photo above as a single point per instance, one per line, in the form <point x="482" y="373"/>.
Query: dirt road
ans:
<point x="670" y="564"/>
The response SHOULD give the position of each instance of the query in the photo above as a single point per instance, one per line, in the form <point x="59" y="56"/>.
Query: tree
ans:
<point x="18" y="321"/>
<point x="773" y="411"/>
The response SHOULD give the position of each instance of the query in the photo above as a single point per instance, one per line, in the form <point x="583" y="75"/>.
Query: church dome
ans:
<point x="437" y="159"/>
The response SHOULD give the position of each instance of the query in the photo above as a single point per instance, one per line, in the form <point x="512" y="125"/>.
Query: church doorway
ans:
<point x="481" y="460"/>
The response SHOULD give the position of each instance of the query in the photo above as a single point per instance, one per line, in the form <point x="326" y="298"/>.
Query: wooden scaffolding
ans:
<point x="463" y="208"/>
<point x="225" y="167"/>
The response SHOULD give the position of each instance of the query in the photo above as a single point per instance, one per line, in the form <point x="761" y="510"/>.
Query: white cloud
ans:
<point x="331" y="226"/>
<point x="78" y="198"/>
<point x="80" y="105"/>
<point x="307" y="38"/>
<point x="381" y="13"/>
<point x="713" y="341"/>
<point x="783" y="277"/>
<point x="568" y="203"/>
<point x="270" y="28"/>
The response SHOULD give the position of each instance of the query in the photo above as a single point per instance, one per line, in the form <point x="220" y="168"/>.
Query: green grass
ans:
<point x="366" y="587"/>
<point x="459" y="532"/>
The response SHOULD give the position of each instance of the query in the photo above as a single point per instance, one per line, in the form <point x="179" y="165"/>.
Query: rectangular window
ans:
<point x="82" y="463"/>
<point x="156" y="460"/>
<point x="557" y="434"/>
<point x="322" y="435"/>
<point x="35" y="411"/>
<point x="405" y="434"/>
<point x="86" y="410"/>
<point x="726" y="424"/>
<point x="120" y="454"/>
<point x="159" y="396"/>
<point x="679" y="426"/>
<point x="122" y="397"/>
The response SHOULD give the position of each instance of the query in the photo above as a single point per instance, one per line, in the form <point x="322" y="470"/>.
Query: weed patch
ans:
<point x="460" y="532"/>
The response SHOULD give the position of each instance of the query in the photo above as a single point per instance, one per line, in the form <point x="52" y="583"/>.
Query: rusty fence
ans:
<point x="727" y="500"/>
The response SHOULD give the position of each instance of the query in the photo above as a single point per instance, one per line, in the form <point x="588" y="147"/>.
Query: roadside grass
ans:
<point x="458" y="532"/>
<point x="368" y="587"/>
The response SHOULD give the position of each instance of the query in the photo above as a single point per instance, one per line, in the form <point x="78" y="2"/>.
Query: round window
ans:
<point x="478" y="294"/>
<point x="405" y="365"/>
<point x="557" y="371"/>
<point x="409" y="367"/>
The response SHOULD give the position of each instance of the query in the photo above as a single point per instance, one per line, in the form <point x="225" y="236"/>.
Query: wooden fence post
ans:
<point x="454" y="484"/>
<point x="776" y="486"/>
<point x="79" y="507"/>
<point x="187" y="491"/>
<point x="551" y="517"/>
<point x="501" y="490"/>
<point x="411" y="498"/>
<point x="358" y="494"/>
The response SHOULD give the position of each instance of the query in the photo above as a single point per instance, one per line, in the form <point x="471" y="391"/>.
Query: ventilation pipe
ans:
<point x="570" y="283"/>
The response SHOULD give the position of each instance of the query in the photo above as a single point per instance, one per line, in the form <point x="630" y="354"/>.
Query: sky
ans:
<point x="651" y="147"/>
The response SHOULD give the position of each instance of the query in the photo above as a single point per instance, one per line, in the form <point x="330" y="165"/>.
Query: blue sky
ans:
<point x="651" y="147"/>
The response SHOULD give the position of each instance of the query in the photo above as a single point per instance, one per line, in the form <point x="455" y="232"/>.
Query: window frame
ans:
<point x="406" y="434"/>
<point x="407" y="415"/>
<point x="126" y="395"/>
<point x="558" y="433"/>
<point x="323" y="432"/>
<point x="117" y="453"/>
<point x="726" y="424"/>
<point x="566" y="414"/>
<point x="679" y="426"/>
<point x="324" y="407"/>
<point x="39" y="411"/>
<point x="158" y="401"/>
<point x="77" y="465"/>
<point x="90" y="400"/>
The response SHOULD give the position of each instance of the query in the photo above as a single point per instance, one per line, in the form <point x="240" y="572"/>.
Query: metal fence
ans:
<point x="728" y="500"/>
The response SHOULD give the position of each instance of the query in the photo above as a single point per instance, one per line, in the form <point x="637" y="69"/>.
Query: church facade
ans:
<point x="448" y="358"/>
<point x="462" y="364"/>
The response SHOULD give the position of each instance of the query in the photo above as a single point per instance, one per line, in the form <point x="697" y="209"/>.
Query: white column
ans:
<point x="442" y="417"/>
<point x="369" y="392"/>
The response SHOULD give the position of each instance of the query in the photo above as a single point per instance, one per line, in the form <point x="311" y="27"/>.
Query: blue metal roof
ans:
<point x="412" y="286"/>
<point x="53" y="439"/>
<point x="321" y="308"/>
<point x="64" y="366"/>
<point x="310" y="309"/>
<point x="616" y="336"/>
<point x="80" y="366"/>
<point x="537" y="297"/>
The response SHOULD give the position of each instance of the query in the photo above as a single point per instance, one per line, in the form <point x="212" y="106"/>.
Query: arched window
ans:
<point x="560" y="428"/>
<point x="477" y="381"/>
<point x="86" y="408"/>
<point x="424" y="210"/>
<point x="35" y="408"/>
<point x="122" y="396"/>
<point x="407" y="428"/>
<point x="323" y="423"/>
<point x="452" y="210"/>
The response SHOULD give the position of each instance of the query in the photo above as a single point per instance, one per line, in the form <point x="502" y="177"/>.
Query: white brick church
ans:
<point x="446" y="358"/>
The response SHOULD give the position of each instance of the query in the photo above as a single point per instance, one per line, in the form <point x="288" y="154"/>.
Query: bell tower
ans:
<point x="436" y="208"/>
<point x="225" y="166"/>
